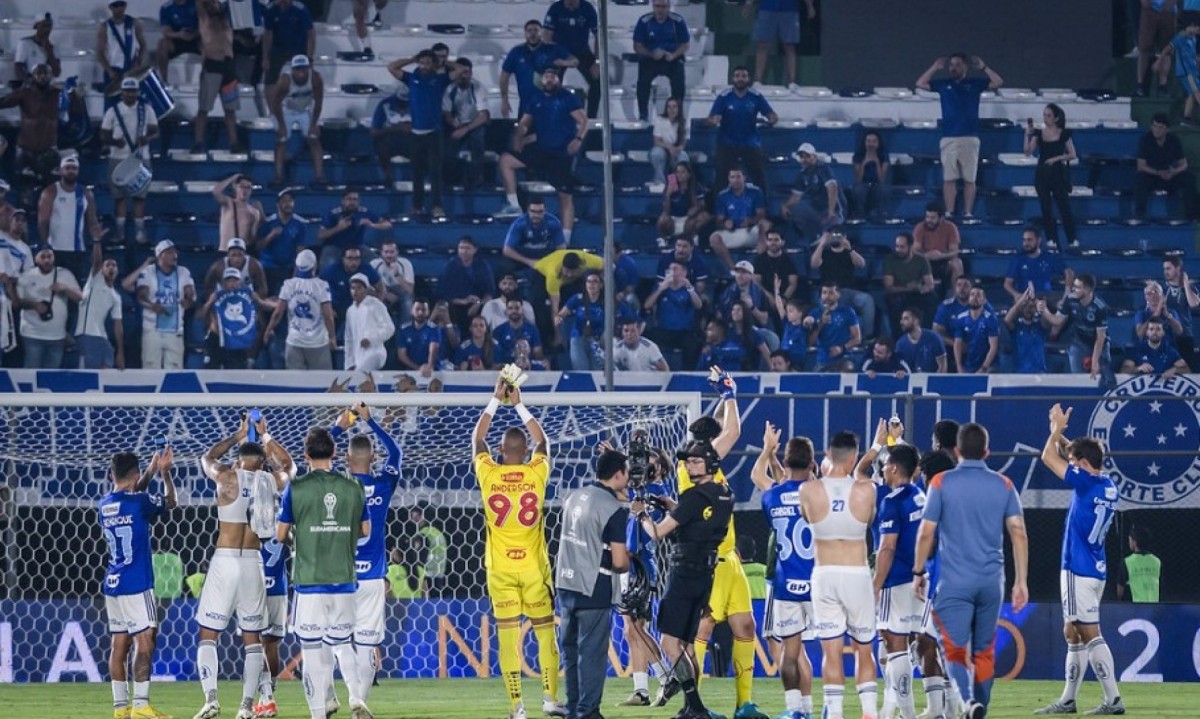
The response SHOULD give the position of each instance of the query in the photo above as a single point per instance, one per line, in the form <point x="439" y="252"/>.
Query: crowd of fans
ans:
<point x="302" y="293"/>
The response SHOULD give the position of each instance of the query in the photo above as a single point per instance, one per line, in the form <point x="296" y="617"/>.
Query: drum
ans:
<point x="131" y="176"/>
<point x="154" y="93"/>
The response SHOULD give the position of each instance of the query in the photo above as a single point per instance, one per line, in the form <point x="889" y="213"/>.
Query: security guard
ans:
<point x="591" y="548"/>
<point x="699" y="522"/>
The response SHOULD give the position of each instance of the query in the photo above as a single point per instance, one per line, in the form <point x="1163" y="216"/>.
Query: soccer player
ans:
<point x="900" y="610"/>
<point x="517" y="561"/>
<point x="371" y="556"/>
<point x="730" y="600"/>
<point x="839" y="508"/>
<point x="789" y="609"/>
<point x="235" y="582"/>
<point x="328" y="511"/>
<point x="968" y="509"/>
<point x="1084" y="569"/>
<point x="125" y="516"/>
<point x="275" y="556"/>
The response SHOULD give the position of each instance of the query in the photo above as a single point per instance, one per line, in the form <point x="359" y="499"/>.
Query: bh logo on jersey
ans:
<point x="1151" y="416"/>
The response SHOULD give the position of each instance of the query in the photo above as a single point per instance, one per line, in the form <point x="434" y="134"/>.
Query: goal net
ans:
<point x="55" y="452"/>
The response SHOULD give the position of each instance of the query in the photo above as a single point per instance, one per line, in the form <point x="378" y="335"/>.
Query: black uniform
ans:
<point x="703" y="514"/>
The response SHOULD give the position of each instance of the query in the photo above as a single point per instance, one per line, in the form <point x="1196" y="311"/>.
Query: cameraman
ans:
<point x="699" y="523"/>
<point x="591" y="548"/>
<point x="649" y="469"/>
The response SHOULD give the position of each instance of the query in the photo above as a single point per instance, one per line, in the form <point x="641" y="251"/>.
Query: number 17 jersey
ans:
<point x="513" y="499"/>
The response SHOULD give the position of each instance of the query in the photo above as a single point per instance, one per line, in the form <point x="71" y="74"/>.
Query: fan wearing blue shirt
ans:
<point x="426" y="86"/>
<point x="515" y="330"/>
<point x="527" y="61"/>
<point x="922" y="350"/>
<point x="976" y="336"/>
<point x="346" y="226"/>
<point x="735" y="112"/>
<point x="960" y="122"/>
<point x="660" y="39"/>
<point x="1034" y="268"/>
<point x="819" y="201"/>
<point x="1156" y="306"/>
<point x="1155" y="354"/>
<point x="126" y="514"/>
<point x="557" y="120"/>
<point x="1080" y="464"/>
<point x="338" y="276"/>
<point x="676" y="305"/>
<point x="281" y="238"/>
<point x="419" y="341"/>
<point x="180" y="30"/>
<point x="884" y="360"/>
<point x="574" y="25"/>
<point x="950" y="308"/>
<point x="533" y="235"/>
<point x="686" y="255"/>
<point x="1028" y="327"/>
<point x="391" y="130"/>
<point x="741" y="211"/>
<point x="833" y="329"/>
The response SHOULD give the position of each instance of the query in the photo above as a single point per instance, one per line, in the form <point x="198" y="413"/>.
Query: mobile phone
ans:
<point x="161" y="443"/>
<point x="672" y="183"/>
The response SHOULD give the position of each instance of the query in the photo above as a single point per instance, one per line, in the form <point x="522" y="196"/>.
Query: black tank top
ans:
<point x="1048" y="149"/>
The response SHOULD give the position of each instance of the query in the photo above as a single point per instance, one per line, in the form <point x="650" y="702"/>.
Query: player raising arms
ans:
<point x="235" y="582"/>
<point x="730" y="600"/>
<point x="899" y="608"/>
<point x="789" y="611"/>
<point x="1084" y="570"/>
<point x="370" y="558"/>
<point x="517" y="561"/>
<point x="125" y="517"/>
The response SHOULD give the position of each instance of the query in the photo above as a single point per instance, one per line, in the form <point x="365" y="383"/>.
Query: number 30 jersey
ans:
<point x="125" y="518"/>
<point x="794" y="547"/>
<point x="513" y="498"/>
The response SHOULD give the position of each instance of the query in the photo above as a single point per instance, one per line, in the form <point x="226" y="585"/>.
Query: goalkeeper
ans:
<point x="516" y="558"/>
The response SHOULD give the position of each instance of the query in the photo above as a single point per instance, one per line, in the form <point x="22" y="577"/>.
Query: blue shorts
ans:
<point x="776" y="26"/>
<point x="94" y="352"/>
<point x="1191" y="83"/>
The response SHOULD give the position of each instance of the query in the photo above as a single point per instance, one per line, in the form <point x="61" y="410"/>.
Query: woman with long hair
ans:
<point x="587" y="309"/>
<point x="872" y="188"/>
<point x="743" y="332"/>
<point x="670" y="137"/>
<point x="683" y="210"/>
<point x="1052" y="178"/>
<point x="478" y="351"/>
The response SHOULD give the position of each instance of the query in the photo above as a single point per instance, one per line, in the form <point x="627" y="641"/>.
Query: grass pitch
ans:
<point x="484" y="699"/>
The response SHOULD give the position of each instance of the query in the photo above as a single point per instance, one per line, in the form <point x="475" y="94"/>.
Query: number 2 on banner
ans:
<point x="527" y="511"/>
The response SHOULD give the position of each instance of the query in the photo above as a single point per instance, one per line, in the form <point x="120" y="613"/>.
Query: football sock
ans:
<point x="833" y="696"/>
<point x="330" y="663"/>
<point x="1101" y="659"/>
<point x="701" y="647"/>
<point x="793" y="700"/>
<point x="547" y="641"/>
<point x="806" y="702"/>
<point x="686" y="673"/>
<point x="662" y="670"/>
<point x="743" y="670"/>
<point x="510" y="661"/>
<point x="511" y="199"/>
<point x="348" y="665"/>
<point x="567" y="235"/>
<point x="141" y="694"/>
<point x="899" y="680"/>
<point x="315" y="677"/>
<point x="365" y="656"/>
<point x="206" y="662"/>
<point x="641" y="682"/>
<point x="1077" y="657"/>
<point x="120" y="692"/>
<point x="935" y="695"/>
<point x="868" y="698"/>
<point x="266" y="683"/>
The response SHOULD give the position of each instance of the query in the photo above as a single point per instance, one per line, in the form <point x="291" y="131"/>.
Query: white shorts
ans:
<point x="928" y="626"/>
<point x="368" y="612"/>
<point x="297" y="121"/>
<point x="323" y="617"/>
<point x="131" y="613"/>
<point x="785" y="619"/>
<point x="680" y="222"/>
<point x="1080" y="597"/>
<point x="900" y="611"/>
<point x="960" y="158"/>
<point x="740" y="238"/>
<point x="843" y="603"/>
<point x="277" y="616"/>
<point x="234" y="584"/>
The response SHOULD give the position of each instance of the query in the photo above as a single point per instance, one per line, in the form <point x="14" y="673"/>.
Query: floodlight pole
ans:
<point x="610" y="260"/>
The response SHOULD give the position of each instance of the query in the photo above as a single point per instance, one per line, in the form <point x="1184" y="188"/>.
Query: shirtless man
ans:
<point x="218" y="76"/>
<point x="839" y="508"/>
<point x="240" y="216"/>
<point x="245" y="512"/>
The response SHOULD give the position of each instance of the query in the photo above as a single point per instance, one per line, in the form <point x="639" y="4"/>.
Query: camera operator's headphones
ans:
<point x="703" y="449"/>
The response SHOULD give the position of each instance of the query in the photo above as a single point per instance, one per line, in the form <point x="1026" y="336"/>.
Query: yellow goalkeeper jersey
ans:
<point x="513" y="500"/>
<point x="729" y="543"/>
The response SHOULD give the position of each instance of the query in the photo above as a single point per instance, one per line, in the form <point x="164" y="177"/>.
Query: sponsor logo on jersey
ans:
<point x="707" y="513"/>
<point x="361" y="567"/>
<point x="512" y="477"/>
<point x="790" y="498"/>
<point x="797" y="586"/>
<point x="1169" y="414"/>
<point x="515" y="554"/>
<point x="110" y="510"/>
<point x="369" y="489"/>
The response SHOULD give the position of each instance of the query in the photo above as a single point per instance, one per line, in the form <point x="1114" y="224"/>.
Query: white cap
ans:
<point x="306" y="260"/>
<point x="806" y="149"/>
<point x="4" y="186"/>
<point x="163" y="246"/>
<point x="299" y="61"/>
<point x="129" y="83"/>
<point x="360" y="277"/>
<point x="69" y="160"/>
<point x="236" y="243"/>
<point x="231" y="273"/>
<point x="744" y="266"/>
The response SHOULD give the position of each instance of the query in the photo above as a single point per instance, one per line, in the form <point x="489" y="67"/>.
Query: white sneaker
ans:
<point x="553" y="709"/>
<point x="359" y="710"/>
<point x="793" y="88"/>
<point x="518" y="712"/>
<point x="246" y="711"/>
<point x="508" y="212"/>
<point x="210" y="710"/>
<point x="331" y="706"/>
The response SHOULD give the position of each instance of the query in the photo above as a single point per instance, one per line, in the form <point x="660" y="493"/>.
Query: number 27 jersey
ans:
<point x="513" y="499"/>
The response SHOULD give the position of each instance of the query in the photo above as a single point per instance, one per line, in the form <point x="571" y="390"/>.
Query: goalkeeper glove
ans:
<point x="722" y="383"/>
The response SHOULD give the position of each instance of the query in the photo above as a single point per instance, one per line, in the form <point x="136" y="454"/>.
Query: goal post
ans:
<point x="55" y="451"/>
